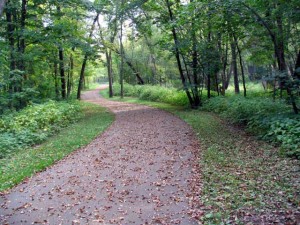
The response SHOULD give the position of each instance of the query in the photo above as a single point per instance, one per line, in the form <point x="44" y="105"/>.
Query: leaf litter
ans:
<point x="143" y="170"/>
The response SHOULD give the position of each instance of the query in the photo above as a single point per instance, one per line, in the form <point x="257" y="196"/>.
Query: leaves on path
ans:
<point x="143" y="169"/>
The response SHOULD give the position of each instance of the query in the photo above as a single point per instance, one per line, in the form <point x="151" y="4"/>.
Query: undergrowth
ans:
<point x="34" y="124"/>
<point x="154" y="93"/>
<point x="271" y="121"/>
<point x="26" y="162"/>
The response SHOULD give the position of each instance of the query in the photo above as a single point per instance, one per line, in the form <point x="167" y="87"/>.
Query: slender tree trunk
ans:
<point x="109" y="72"/>
<point x="177" y="54"/>
<point x="85" y="59"/>
<point x="22" y="38"/>
<point x="56" y="80"/>
<point x="108" y="54"/>
<point x="122" y="53"/>
<point x="61" y="64"/>
<point x="130" y="65"/>
<point x="70" y="75"/>
<point x="195" y="63"/>
<point x="208" y="85"/>
<point x="297" y="67"/>
<point x="234" y="65"/>
<point x="241" y="65"/>
<point x="11" y="40"/>
<point x="152" y="60"/>
<point x="225" y="61"/>
<point x="62" y="72"/>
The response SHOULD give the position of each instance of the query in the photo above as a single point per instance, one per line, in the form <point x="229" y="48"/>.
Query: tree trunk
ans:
<point x="109" y="72"/>
<point x="208" y="85"/>
<point x="234" y="65"/>
<point x="70" y="75"/>
<point x="177" y="54"/>
<point x="131" y="66"/>
<point x="122" y="53"/>
<point x="241" y="65"/>
<point x="297" y="67"/>
<point x="81" y="78"/>
<point x="62" y="72"/>
<point x="224" y="59"/>
<point x="11" y="40"/>
<point x="195" y="65"/>
<point x="22" y="38"/>
<point x="56" y="81"/>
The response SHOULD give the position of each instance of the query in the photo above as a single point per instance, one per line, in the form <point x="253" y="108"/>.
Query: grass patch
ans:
<point x="243" y="178"/>
<point x="25" y="163"/>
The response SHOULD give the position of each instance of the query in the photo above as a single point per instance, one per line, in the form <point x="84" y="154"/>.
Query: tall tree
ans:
<point x="85" y="59"/>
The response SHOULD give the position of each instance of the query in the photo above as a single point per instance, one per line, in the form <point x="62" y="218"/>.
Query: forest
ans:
<point x="238" y="60"/>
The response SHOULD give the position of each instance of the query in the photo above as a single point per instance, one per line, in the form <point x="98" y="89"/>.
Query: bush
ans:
<point x="270" y="120"/>
<point x="287" y="132"/>
<point x="154" y="93"/>
<point x="34" y="124"/>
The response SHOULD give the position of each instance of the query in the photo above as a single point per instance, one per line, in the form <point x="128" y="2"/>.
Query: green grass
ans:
<point x="240" y="174"/>
<point x="23" y="164"/>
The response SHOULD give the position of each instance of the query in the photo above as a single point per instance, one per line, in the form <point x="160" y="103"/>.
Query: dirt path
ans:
<point x="142" y="170"/>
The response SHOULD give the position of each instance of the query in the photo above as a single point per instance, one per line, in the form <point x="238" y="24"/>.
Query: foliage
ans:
<point x="17" y="100"/>
<point x="154" y="93"/>
<point x="34" y="124"/>
<point x="272" y="121"/>
<point x="94" y="121"/>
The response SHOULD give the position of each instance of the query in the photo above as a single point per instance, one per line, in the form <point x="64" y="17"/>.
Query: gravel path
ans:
<point x="142" y="170"/>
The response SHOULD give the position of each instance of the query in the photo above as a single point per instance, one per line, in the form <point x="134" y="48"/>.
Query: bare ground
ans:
<point x="142" y="170"/>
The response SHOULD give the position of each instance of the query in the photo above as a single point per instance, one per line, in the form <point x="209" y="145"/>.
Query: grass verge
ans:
<point x="23" y="164"/>
<point x="245" y="180"/>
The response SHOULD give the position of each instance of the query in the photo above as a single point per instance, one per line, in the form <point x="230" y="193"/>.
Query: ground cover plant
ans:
<point x="16" y="166"/>
<point x="244" y="180"/>
<point x="34" y="124"/>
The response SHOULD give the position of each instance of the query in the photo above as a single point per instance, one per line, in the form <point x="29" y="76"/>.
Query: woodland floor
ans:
<point x="143" y="170"/>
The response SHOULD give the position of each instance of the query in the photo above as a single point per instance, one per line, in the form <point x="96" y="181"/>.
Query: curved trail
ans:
<point x="142" y="170"/>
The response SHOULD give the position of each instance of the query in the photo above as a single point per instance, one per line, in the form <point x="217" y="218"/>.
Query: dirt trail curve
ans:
<point x="142" y="170"/>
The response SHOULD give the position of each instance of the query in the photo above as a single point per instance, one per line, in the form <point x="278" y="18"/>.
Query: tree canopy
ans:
<point x="48" y="47"/>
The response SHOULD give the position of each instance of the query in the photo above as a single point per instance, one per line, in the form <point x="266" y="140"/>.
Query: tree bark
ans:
<point x="70" y="75"/>
<point x="122" y="53"/>
<point x="62" y="72"/>
<point x="241" y="64"/>
<point x="224" y="60"/>
<point x="109" y="72"/>
<point x="56" y="81"/>
<point x="11" y="41"/>
<point x="234" y="65"/>
<point x="297" y="67"/>
<point x="22" y="38"/>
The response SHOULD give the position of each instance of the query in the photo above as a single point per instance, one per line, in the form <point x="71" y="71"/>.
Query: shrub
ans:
<point x="34" y="124"/>
<point x="269" y="120"/>
<point x="154" y="93"/>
